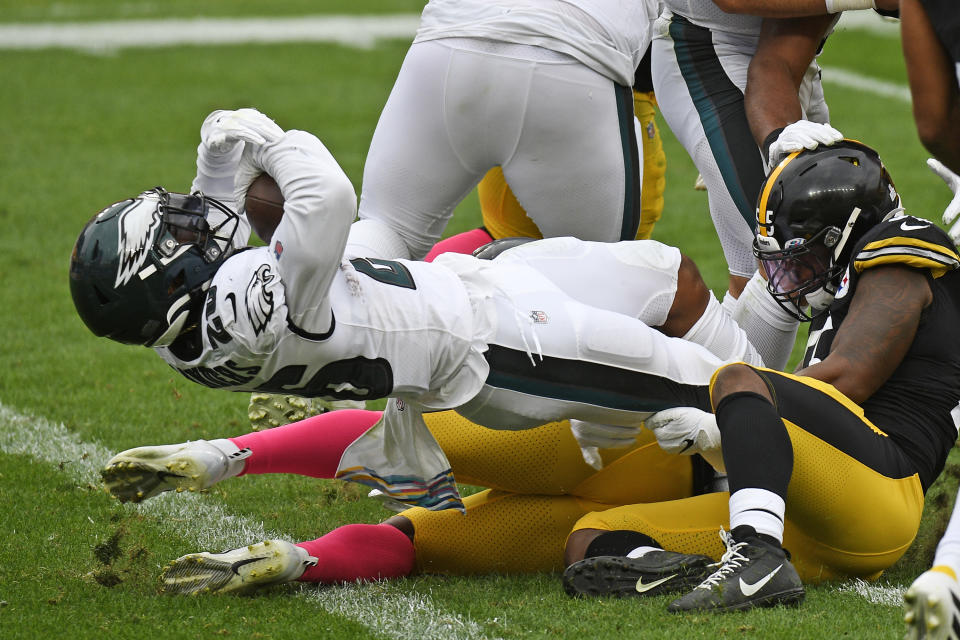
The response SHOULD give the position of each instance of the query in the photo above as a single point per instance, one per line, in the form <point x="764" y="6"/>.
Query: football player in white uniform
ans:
<point x="553" y="329"/>
<point x="540" y="88"/>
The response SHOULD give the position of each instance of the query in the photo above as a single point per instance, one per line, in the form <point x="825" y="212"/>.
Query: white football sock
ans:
<point x="761" y="509"/>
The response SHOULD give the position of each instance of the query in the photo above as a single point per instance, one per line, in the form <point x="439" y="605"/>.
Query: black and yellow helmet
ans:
<point x="141" y="267"/>
<point x="812" y="209"/>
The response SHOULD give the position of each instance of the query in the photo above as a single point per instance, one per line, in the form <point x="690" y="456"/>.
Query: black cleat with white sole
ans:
<point x="752" y="573"/>
<point x="654" y="573"/>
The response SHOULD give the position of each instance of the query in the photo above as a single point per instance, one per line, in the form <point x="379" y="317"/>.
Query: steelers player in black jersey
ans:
<point x="832" y="462"/>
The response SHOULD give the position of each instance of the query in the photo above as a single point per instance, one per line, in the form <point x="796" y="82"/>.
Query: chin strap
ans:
<point x="819" y="299"/>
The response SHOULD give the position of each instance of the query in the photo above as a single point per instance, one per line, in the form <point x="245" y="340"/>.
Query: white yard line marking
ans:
<point x="869" y="21"/>
<point x="378" y="606"/>
<point x="888" y="595"/>
<point x="359" y="31"/>
<point x="381" y="607"/>
<point x="852" y="80"/>
<point x="354" y="31"/>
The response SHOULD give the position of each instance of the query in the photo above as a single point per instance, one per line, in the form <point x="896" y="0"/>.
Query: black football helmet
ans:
<point x="812" y="209"/>
<point x="140" y="268"/>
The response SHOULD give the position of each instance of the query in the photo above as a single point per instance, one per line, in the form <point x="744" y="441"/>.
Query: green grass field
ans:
<point x="83" y="128"/>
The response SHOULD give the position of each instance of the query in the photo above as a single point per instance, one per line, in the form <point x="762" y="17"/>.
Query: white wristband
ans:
<point x="836" y="6"/>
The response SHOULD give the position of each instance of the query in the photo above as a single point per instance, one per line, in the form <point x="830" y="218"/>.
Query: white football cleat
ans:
<point x="388" y="503"/>
<point x="238" y="570"/>
<point x="268" y="410"/>
<point x="137" y="474"/>
<point x="932" y="606"/>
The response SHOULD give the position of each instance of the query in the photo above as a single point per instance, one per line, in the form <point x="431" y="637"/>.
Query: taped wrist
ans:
<point x="770" y="139"/>
<point x="836" y="6"/>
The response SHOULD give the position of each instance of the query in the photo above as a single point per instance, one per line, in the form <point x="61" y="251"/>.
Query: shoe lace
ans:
<point x="731" y="560"/>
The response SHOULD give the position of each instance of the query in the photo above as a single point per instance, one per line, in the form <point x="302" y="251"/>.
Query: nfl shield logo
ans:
<point x="278" y="249"/>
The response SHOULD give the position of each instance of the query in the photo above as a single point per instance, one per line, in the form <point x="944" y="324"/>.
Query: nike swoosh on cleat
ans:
<point x="906" y="226"/>
<point x="750" y="589"/>
<point x="643" y="588"/>
<point x="239" y="563"/>
<point x="687" y="443"/>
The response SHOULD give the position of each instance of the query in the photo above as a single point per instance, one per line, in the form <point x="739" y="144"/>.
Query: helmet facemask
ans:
<point x="195" y="220"/>
<point x="805" y="274"/>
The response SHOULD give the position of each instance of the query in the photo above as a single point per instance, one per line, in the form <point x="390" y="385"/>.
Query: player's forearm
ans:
<point x="319" y="206"/>
<point x="877" y="332"/>
<point x="791" y="8"/>
<point x="945" y="144"/>
<point x="771" y="99"/>
<point x="784" y="52"/>
<point x="933" y="85"/>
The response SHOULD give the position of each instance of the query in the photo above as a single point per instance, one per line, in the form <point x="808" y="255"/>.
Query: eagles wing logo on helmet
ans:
<point x="137" y="225"/>
<point x="260" y="299"/>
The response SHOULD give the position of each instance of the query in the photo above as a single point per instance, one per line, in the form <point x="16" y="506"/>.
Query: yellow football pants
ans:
<point x="843" y="518"/>
<point x="539" y="487"/>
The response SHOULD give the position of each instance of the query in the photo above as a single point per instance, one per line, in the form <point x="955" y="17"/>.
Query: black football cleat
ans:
<point x="752" y="573"/>
<point x="654" y="573"/>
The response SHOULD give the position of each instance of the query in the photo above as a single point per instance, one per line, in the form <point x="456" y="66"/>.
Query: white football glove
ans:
<point x="592" y="436"/>
<point x="686" y="431"/>
<point x="953" y="209"/>
<point x="801" y="134"/>
<point x="223" y="129"/>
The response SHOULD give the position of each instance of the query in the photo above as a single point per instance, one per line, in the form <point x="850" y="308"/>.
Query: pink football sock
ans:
<point x="311" y="447"/>
<point x="360" y="552"/>
<point x="464" y="242"/>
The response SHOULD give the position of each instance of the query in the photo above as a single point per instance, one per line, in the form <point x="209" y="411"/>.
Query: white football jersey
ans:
<point x="706" y="14"/>
<point x="297" y="317"/>
<point x="609" y="36"/>
<point x="394" y="328"/>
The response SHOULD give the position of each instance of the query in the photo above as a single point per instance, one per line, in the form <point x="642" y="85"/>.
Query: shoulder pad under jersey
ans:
<point x="906" y="240"/>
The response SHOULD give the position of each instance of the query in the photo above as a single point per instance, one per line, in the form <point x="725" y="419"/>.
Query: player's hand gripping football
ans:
<point x="953" y="209"/>
<point x="686" y="431"/>
<point x="224" y="129"/>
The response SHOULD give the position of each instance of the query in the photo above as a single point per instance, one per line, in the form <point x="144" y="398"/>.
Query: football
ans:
<point x="264" y="206"/>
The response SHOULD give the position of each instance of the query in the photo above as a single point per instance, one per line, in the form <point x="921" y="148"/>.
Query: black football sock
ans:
<point x="756" y="447"/>
<point x="618" y="543"/>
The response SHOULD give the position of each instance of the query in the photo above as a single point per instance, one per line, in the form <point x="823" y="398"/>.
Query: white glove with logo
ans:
<point x="592" y="436"/>
<point x="953" y="209"/>
<point x="223" y="130"/>
<point x="801" y="134"/>
<point x="686" y="431"/>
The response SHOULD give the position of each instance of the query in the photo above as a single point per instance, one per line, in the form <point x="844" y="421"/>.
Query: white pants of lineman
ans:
<point x="574" y="336"/>
<point x="562" y="132"/>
